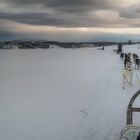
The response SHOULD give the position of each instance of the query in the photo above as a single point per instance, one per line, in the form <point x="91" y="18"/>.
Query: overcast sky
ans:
<point x="70" y="20"/>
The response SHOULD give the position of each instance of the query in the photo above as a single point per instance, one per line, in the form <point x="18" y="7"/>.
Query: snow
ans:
<point x="63" y="94"/>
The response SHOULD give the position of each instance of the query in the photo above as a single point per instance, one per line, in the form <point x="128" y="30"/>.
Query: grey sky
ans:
<point x="70" y="20"/>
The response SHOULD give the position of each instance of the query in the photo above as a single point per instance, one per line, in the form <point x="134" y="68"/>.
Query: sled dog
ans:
<point x="128" y="74"/>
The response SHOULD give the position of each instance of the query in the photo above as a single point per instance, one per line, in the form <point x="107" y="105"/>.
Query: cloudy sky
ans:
<point x="70" y="20"/>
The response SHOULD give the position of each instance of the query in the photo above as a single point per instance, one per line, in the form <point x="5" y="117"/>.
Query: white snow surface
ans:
<point x="64" y="94"/>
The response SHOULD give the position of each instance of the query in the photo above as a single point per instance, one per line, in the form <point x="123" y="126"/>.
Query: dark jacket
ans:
<point x="138" y="137"/>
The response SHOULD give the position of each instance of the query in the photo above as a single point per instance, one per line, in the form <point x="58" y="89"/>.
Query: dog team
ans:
<point x="129" y="60"/>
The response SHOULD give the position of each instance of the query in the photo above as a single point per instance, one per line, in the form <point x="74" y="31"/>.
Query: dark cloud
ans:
<point x="60" y="21"/>
<point x="131" y="12"/>
<point x="68" y="14"/>
<point x="61" y="13"/>
<point x="62" y="3"/>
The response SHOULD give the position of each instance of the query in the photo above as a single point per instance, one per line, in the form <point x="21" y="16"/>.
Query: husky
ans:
<point x="127" y="57"/>
<point x="128" y="74"/>
<point x="136" y="61"/>
<point x="135" y="56"/>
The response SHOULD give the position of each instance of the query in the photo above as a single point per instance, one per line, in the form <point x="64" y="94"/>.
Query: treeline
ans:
<point x="50" y="44"/>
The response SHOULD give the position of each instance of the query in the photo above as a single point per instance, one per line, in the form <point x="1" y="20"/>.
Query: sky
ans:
<point x="70" y="20"/>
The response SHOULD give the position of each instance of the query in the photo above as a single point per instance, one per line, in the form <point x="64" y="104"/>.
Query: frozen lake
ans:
<point x="63" y="94"/>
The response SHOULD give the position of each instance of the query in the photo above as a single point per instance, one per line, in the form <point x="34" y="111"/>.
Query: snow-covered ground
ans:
<point x="63" y="94"/>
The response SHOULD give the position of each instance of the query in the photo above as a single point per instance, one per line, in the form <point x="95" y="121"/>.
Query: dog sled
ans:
<point x="131" y="132"/>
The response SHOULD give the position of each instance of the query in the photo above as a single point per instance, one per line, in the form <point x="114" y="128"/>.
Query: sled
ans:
<point x="131" y="132"/>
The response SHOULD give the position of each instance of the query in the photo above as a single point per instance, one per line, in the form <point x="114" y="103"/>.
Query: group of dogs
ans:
<point x="126" y="57"/>
<point x="129" y="60"/>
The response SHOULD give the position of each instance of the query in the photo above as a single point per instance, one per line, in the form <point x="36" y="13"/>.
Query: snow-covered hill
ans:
<point x="64" y="94"/>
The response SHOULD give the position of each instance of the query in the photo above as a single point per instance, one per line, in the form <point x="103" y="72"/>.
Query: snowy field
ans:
<point x="64" y="94"/>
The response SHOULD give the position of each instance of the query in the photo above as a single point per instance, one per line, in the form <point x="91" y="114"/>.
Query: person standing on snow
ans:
<point x="119" y="48"/>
